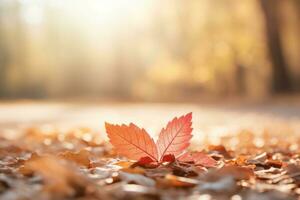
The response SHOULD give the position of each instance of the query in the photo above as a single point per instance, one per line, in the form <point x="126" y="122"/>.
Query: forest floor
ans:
<point x="256" y="147"/>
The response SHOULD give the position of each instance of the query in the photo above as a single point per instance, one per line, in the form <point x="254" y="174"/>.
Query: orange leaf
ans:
<point x="131" y="141"/>
<point x="203" y="159"/>
<point x="175" y="137"/>
<point x="198" y="158"/>
<point x="186" y="157"/>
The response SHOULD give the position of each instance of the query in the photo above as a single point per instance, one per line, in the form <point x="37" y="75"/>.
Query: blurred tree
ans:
<point x="296" y="3"/>
<point x="3" y="60"/>
<point x="280" y="72"/>
<point x="181" y="50"/>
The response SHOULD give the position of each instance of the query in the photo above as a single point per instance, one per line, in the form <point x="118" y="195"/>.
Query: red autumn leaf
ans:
<point x="175" y="137"/>
<point x="145" y="161"/>
<point x="186" y="157"/>
<point x="203" y="159"/>
<point x="198" y="158"/>
<point x="131" y="141"/>
<point x="135" y="143"/>
<point x="168" y="158"/>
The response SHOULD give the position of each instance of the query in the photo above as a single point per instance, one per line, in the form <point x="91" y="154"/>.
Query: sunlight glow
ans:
<point x="101" y="14"/>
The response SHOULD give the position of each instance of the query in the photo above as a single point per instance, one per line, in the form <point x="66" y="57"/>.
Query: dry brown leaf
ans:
<point x="82" y="157"/>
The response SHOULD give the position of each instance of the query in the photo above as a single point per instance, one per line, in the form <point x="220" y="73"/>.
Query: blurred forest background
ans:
<point x="149" y="50"/>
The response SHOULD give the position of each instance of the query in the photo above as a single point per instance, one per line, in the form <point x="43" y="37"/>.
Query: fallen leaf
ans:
<point x="81" y="157"/>
<point x="169" y="158"/>
<point x="175" y="137"/>
<point x="239" y="173"/>
<point x="135" y="143"/>
<point x="184" y="171"/>
<point x="146" y="162"/>
<point x="258" y="160"/>
<point x="274" y="163"/>
<point x="203" y="159"/>
<point x="60" y="178"/>
<point x="131" y="141"/>
<point x="198" y="158"/>
<point x="220" y="149"/>
<point x="186" y="157"/>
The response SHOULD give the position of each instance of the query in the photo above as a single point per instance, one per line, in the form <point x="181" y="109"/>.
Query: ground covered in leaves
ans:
<point x="78" y="164"/>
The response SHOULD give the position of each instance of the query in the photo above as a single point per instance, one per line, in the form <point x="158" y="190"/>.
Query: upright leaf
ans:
<point x="175" y="137"/>
<point x="131" y="141"/>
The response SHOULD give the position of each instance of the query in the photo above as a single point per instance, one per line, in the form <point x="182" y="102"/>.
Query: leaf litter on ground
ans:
<point x="78" y="164"/>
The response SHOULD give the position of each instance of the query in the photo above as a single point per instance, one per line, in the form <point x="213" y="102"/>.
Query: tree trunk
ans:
<point x="281" y="82"/>
<point x="296" y="4"/>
